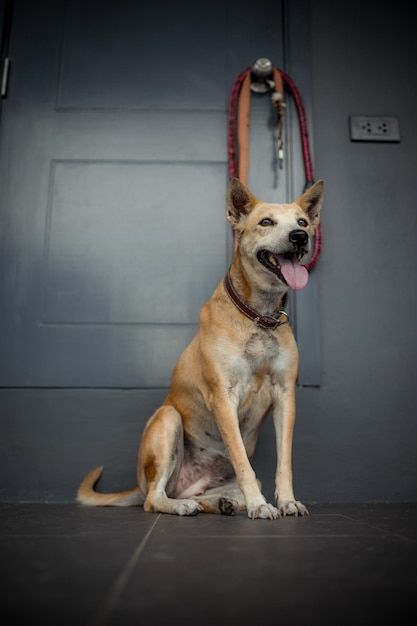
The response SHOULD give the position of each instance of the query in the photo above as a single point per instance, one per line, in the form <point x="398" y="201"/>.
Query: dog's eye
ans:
<point x="266" y="222"/>
<point x="302" y="222"/>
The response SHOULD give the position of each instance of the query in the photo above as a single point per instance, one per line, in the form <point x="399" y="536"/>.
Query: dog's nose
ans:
<point x="298" y="237"/>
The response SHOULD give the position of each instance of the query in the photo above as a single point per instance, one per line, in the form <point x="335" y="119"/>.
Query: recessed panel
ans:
<point x="133" y="243"/>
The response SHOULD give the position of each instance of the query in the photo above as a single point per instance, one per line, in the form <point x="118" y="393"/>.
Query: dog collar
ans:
<point x="263" y="321"/>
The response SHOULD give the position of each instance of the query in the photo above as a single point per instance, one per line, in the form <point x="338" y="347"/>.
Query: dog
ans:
<point x="242" y="364"/>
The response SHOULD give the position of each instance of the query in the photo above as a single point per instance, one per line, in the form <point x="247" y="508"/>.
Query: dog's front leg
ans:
<point x="227" y="420"/>
<point x="284" y="418"/>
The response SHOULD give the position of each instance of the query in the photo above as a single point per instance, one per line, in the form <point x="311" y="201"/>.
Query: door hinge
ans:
<point x="4" y="77"/>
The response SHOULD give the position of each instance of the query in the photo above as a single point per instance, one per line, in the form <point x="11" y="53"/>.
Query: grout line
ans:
<point x="104" y="611"/>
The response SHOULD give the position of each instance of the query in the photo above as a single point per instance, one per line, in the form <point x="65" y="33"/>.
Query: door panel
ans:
<point x="113" y="171"/>
<point x="171" y="57"/>
<point x="88" y="275"/>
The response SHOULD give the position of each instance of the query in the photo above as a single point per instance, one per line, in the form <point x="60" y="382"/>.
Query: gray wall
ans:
<point x="356" y="434"/>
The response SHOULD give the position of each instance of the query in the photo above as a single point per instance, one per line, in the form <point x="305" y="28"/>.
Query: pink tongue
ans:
<point x="295" y="274"/>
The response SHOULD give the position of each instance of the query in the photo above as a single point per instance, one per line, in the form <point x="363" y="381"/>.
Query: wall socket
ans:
<point x="365" y="128"/>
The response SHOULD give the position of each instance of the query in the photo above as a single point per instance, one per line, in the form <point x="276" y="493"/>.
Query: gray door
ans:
<point x="113" y="174"/>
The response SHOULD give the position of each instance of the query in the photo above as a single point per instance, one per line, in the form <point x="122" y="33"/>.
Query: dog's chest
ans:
<point x="263" y="370"/>
<point x="262" y="352"/>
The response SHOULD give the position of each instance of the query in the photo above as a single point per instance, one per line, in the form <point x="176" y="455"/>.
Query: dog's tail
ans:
<point x="87" y="495"/>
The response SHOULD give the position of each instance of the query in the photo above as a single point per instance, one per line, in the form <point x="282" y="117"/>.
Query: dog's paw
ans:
<point x="187" y="507"/>
<point x="292" y="507"/>
<point x="264" y="511"/>
<point x="228" y="506"/>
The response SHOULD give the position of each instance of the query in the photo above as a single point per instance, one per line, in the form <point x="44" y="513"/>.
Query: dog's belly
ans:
<point x="202" y="469"/>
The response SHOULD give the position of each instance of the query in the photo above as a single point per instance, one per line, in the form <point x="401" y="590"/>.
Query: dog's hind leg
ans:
<point x="161" y="453"/>
<point x="226" y="499"/>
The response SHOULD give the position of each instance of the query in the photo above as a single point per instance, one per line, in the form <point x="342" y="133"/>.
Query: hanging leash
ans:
<point x="261" y="78"/>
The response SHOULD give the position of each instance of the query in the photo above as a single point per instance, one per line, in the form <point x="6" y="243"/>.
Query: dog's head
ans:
<point x="274" y="238"/>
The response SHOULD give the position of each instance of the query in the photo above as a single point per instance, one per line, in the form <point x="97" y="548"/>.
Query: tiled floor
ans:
<point x="350" y="564"/>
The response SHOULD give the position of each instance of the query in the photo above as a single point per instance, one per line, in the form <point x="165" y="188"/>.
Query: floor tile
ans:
<point x="307" y="580"/>
<point x="343" y="564"/>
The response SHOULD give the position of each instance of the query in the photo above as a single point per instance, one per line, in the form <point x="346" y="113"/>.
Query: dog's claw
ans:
<point x="292" y="507"/>
<point x="265" y="511"/>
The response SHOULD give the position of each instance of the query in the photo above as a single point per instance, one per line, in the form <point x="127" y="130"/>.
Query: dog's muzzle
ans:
<point x="286" y="264"/>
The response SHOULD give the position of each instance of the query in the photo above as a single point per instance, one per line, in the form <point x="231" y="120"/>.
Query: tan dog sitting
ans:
<point x="242" y="364"/>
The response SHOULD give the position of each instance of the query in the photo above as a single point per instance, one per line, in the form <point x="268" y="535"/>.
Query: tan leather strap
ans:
<point x="279" y="84"/>
<point x="243" y="129"/>
<point x="244" y="121"/>
<point x="278" y="103"/>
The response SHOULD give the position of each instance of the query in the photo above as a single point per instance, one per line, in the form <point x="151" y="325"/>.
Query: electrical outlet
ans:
<point x="365" y="128"/>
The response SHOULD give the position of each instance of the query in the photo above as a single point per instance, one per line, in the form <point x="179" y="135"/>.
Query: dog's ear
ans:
<point x="311" y="201"/>
<point x="240" y="201"/>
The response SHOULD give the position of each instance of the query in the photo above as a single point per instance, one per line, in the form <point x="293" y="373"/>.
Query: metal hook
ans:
<point x="261" y="76"/>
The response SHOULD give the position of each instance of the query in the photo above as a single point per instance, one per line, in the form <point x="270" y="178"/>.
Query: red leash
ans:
<point x="232" y="136"/>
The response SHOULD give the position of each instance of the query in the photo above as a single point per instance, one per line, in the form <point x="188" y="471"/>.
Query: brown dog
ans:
<point x="242" y="364"/>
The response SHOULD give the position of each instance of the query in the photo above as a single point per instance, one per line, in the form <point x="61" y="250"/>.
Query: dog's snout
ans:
<point x="298" y="237"/>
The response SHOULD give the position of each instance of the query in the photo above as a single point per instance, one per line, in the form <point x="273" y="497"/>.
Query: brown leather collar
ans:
<point x="263" y="321"/>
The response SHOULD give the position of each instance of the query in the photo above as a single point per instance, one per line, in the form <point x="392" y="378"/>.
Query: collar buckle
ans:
<point x="277" y="320"/>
